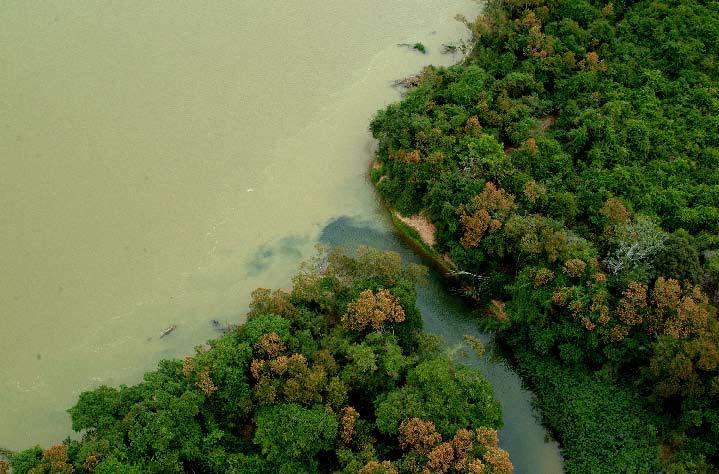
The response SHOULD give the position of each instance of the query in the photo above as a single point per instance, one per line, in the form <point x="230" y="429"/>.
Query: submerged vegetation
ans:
<point x="572" y="161"/>
<point x="335" y="375"/>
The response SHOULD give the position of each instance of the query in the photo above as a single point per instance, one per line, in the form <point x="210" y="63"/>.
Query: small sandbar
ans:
<point x="426" y="230"/>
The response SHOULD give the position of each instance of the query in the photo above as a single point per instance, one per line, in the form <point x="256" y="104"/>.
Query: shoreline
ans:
<point x="413" y="239"/>
<point x="410" y="235"/>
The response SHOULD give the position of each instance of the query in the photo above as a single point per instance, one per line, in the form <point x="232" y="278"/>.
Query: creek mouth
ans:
<point x="447" y="315"/>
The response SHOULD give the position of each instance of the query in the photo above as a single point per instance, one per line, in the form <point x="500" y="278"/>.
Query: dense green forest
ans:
<point x="335" y="375"/>
<point x="571" y="165"/>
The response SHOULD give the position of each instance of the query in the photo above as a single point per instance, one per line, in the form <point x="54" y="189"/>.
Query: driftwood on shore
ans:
<point x="223" y="328"/>
<point x="409" y="82"/>
<point x="416" y="46"/>
<point x="475" y="277"/>
<point x="450" y="48"/>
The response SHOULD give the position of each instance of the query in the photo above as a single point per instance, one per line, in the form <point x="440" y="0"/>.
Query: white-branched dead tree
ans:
<point x="637" y="242"/>
<point x="476" y="278"/>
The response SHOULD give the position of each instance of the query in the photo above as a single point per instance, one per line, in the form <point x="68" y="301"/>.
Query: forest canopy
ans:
<point x="334" y="375"/>
<point x="572" y="161"/>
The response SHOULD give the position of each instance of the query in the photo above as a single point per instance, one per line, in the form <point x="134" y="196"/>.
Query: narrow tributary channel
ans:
<point x="448" y="316"/>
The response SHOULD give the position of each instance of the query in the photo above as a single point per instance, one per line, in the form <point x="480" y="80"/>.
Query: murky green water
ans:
<point x="162" y="159"/>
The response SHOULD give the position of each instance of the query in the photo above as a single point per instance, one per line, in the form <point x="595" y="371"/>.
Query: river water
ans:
<point x="162" y="159"/>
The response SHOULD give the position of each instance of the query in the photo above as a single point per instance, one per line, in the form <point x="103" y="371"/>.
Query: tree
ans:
<point x="450" y="397"/>
<point x="486" y="213"/>
<point x="290" y="435"/>
<point x="679" y="258"/>
<point x="373" y="310"/>
<point x="469" y="451"/>
<point x="636" y="244"/>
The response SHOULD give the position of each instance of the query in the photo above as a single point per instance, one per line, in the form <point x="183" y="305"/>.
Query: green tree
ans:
<point x="451" y="397"/>
<point x="290" y="435"/>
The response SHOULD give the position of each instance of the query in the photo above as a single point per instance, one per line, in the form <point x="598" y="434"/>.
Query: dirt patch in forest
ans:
<point x="546" y="122"/>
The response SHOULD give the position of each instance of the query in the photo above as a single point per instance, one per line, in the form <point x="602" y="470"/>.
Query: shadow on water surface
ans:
<point x="262" y="258"/>
<point x="448" y="316"/>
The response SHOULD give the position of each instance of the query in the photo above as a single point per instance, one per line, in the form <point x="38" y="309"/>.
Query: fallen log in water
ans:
<point x="167" y="331"/>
